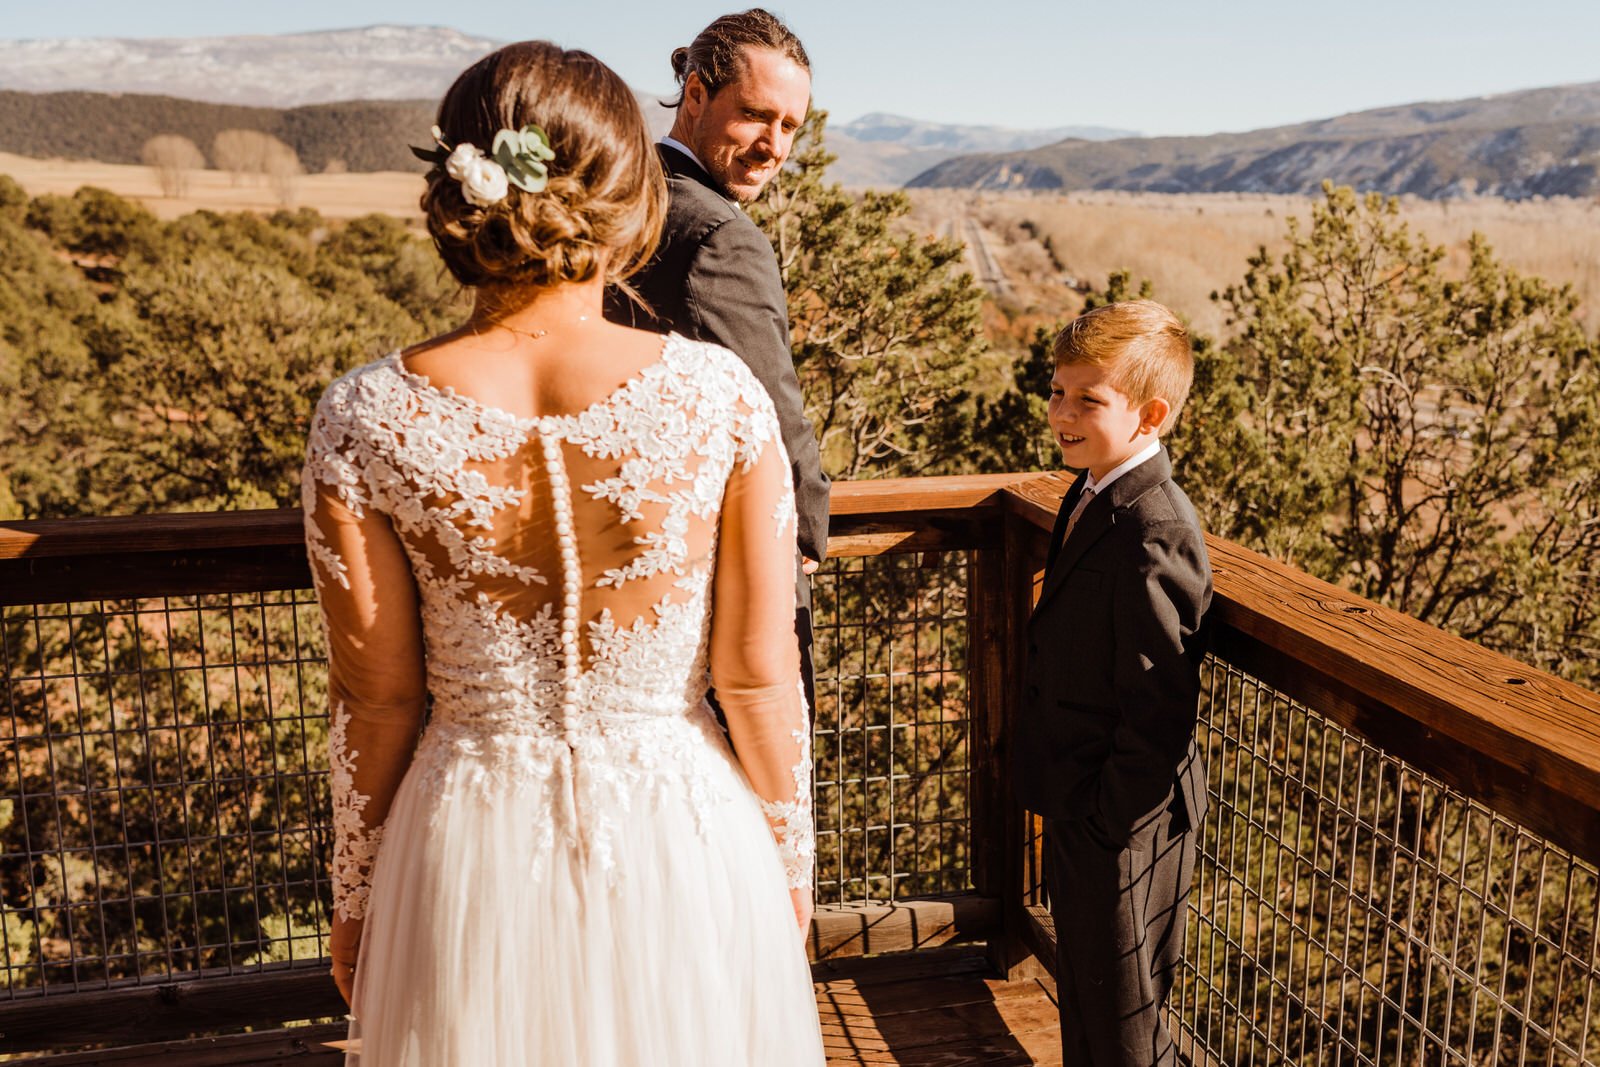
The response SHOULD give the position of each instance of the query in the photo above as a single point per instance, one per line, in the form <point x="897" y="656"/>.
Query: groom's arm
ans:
<point x="735" y="297"/>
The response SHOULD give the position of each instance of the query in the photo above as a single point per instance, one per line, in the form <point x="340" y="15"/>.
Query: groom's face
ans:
<point x="743" y="132"/>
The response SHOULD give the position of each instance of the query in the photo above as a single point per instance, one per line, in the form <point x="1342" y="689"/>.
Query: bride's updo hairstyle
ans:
<point x="605" y="200"/>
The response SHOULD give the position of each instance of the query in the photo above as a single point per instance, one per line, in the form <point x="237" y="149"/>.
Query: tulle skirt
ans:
<point x="491" y="942"/>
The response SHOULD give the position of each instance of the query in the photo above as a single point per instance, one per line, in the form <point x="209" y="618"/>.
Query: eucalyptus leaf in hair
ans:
<point x="524" y="154"/>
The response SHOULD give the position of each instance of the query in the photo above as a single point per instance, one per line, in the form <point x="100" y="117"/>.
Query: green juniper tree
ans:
<point x="1429" y="442"/>
<point x="885" y="325"/>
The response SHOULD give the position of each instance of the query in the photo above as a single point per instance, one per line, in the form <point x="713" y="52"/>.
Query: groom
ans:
<point x="746" y="85"/>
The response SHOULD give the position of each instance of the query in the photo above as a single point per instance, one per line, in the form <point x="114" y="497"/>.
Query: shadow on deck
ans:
<point x="941" y="1007"/>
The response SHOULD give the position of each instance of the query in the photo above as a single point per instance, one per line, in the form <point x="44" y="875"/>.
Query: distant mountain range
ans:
<point x="1538" y="142"/>
<point x="362" y="135"/>
<point x="299" y="87"/>
<point x="360" y="96"/>
<point x="373" y="63"/>
<point x="880" y="149"/>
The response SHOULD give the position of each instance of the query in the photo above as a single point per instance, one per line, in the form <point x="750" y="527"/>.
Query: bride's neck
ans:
<point x="549" y="309"/>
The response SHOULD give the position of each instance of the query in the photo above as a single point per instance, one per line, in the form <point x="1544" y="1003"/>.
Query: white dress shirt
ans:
<point x="1093" y="488"/>
<point x="672" y="142"/>
<point x="1098" y="486"/>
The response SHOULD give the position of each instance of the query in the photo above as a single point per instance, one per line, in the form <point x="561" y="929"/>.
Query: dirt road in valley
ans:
<point x="980" y="254"/>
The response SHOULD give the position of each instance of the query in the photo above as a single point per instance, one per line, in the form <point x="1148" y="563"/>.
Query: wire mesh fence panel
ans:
<point x="1349" y="909"/>
<point x="163" y="780"/>
<point x="892" y="727"/>
<point x="164" y="801"/>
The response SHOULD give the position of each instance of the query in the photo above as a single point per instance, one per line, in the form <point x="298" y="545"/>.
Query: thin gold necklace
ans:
<point x="530" y="334"/>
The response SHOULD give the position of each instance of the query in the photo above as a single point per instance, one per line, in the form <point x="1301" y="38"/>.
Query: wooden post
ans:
<point x="999" y="598"/>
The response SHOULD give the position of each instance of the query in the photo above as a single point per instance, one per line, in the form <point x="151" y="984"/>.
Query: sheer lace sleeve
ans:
<point x="375" y="653"/>
<point x="755" y="661"/>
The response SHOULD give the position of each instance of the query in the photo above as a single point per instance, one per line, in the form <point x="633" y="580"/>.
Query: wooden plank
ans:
<point x="875" y="535"/>
<point x="102" y="558"/>
<point x="1522" y="727"/>
<point x="298" y="1045"/>
<point x="183" y="531"/>
<point x="917" y="496"/>
<point x="178" y="572"/>
<point x="991" y="652"/>
<point x="968" y="1019"/>
<point x="168" y="1011"/>
<point x="861" y="929"/>
<point x="926" y="994"/>
<point x="935" y="1006"/>
<point x="175" y="1010"/>
<point x="1037" y="499"/>
<point x="991" y="1025"/>
<point x="1039" y="932"/>
<point x="1026" y="551"/>
<point x="188" y="531"/>
<point x="944" y="961"/>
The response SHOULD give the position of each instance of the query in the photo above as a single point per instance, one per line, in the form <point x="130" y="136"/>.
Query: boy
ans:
<point x="1105" y="747"/>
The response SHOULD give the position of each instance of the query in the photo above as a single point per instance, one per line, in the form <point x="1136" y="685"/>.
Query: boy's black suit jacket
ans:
<point x="714" y="277"/>
<point x="1111" y="684"/>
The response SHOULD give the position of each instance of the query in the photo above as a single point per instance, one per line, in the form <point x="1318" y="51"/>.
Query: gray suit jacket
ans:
<point x="714" y="277"/>
<point x="1112" y="680"/>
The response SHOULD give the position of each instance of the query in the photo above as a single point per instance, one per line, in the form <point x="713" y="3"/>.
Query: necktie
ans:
<point x="1077" y="510"/>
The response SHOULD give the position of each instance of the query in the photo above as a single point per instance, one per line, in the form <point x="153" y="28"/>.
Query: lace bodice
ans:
<point x="550" y="583"/>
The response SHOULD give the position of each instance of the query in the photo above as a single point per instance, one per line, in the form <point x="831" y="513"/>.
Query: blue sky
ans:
<point x="1161" y="67"/>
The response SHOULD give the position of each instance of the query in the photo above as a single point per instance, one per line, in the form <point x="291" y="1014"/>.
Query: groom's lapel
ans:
<point x="678" y="165"/>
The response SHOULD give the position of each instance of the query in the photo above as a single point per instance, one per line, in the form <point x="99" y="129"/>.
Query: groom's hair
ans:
<point x="1141" y="345"/>
<point x="717" y="55"/>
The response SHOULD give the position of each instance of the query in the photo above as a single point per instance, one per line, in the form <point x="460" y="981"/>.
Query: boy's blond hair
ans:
<point x="1140" y="344"/>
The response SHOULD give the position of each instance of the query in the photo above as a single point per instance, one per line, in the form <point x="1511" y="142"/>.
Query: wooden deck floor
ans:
<point x="933" y="1008"/>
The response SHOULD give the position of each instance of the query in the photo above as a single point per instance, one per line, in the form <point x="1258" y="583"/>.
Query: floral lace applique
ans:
<point x="792" y="821"/>
<point x="355" y="844"/>
<point x="513" y="706"/>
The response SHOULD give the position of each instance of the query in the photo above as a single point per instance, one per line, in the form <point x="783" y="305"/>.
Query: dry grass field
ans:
<point x="1190" y="245"/>
<point x="339" y="196"/>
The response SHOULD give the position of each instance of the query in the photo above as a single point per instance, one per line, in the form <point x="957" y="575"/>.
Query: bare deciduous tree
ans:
<point x="283" y="172"/>
<point x="248" y="153"/>
<point x="172" y="157"/>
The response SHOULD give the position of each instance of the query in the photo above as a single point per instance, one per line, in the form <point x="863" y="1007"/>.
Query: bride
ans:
<point x="555" y="535"/>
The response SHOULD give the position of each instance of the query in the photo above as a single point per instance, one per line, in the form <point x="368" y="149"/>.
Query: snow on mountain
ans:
<point x="879" y="128"/>
<point x="372" y="63"/>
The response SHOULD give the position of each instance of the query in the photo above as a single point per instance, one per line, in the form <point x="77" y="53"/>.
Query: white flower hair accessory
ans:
<point x="483" y="181"/>
<point x="519" y="157"/>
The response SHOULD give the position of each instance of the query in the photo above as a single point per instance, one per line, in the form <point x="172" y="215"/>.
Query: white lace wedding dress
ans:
<point x="570" y="866"/>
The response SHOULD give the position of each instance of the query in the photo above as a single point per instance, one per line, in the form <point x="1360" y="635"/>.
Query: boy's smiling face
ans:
<point x="1095" y="424"/>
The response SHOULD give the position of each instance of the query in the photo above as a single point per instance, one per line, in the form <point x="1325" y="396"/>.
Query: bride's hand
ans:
<point x="344" y="940"/>
<point x="801" y="899"/>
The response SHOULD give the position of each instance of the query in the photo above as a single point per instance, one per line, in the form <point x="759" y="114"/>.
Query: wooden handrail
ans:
<point x="853" y="502"/>
<point x="106" y="558"/>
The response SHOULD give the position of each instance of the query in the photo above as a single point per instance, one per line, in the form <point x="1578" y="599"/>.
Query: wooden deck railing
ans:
<point x="1393" y="809"/>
